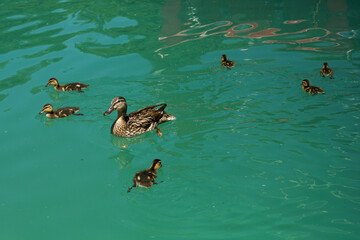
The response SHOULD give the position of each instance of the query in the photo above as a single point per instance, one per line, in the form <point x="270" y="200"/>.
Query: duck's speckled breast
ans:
<point x="121" y="128"/>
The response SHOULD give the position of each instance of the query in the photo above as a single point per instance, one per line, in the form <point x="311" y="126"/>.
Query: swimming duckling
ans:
<point x="146" y="178"/>
<point x="67" y="87"/>
<point x="138" y="122"/>
<point x="61" y="112"/>
<point x="227" y="63"/>
<point x="326" y="71"/>
<point x="311" y="89"/>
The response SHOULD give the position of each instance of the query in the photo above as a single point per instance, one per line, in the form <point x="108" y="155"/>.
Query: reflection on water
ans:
<point x="324" y="26"/>
<point x="306" y="34"/>
<point x="249" y="147"/>
<point x="123" y="157"/>
<point x="246" y="27"/>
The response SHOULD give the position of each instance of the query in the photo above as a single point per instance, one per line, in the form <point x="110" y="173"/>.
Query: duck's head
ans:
<point x="325" y="64"/>
<point x="156" y="164"/>
<point x="47" y="108"/>
<point x="305" y="83"/>
<point x="223" y="57"/>
<point x="118" y="103"/>
<point x="52" y="81"/>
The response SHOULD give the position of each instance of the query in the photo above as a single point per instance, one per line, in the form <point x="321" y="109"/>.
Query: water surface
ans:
<point x="250" y="156"/>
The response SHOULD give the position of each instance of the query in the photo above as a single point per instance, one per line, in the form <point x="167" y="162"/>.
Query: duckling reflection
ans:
<point x="46" y="121"/>
<point x="311" y="89"/>
<point x="326" y="71"/>
<point x="227" y="63"/>
<point x="66" y="87"/>
<point x="146" y="178"/>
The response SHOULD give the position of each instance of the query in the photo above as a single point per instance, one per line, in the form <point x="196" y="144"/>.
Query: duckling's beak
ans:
<point x="41" y="111"/>
<point x="47" y="85"/>
<point x="110" y="110"/>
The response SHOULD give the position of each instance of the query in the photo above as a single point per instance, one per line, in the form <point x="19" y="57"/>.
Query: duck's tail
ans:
<point x="166" y="117"/>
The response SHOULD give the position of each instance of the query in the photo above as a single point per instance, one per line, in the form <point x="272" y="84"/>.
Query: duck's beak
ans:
<point x="41" y="111"/>
<point x="110" y="110"/>
<point x="47" y="85"/>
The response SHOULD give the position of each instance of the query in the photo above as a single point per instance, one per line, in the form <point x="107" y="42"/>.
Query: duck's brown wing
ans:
<point x="315" y="90"/>
<point x="66" y="111"/>
<point x="145" y="178"/>
<point x="231" y="63"/>
<point x="228" y="63"/>
<point x="326" y="71"/>
<point x="146" y="117"/>
<point x="163" y="106"/>
<point x="75" y="86"/>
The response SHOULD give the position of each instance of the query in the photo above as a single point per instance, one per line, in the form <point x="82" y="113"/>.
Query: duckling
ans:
<point x="326" y="71"/>
<point x="227" y="63"/>
<point x="66" y="87"/>
<point x="311" y="89"/>
<point x="146" y="178"/>
<point x="138" y="122"/>
<point x="61" y="112"/>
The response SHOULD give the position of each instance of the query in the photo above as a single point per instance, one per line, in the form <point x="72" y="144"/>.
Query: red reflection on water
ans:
<point x="231" y="32"/>
<point x="269" y="32"/>
<point x="293" y="21"/>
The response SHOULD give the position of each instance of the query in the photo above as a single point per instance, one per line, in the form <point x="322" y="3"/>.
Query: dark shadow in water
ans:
<point x="125" y="156"/>
<point x="3" y="96"/>
<point x="53" y="94"/>
<point x="24" y="75"/>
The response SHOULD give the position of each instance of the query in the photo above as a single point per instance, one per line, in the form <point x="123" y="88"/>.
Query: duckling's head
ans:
<point x="223" y="57"/>
<point x="47" y="108"/>
<point x="118" y="103"/>
<point x="325" y="64"/>
<point x="156" y="164"/>
<point x="52" y="81"/>
<point x="305" y="83"/>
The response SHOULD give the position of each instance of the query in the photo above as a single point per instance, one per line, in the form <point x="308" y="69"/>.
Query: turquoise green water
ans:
<point x="250" y="156"/>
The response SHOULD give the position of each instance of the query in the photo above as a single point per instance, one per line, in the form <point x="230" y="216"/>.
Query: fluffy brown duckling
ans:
<point x="138" y="122"/>
<point x="227" y="63"/>
<point x="146" y="178"/>
<point x="59" y="113"/>
<point x="67" y="87"/>
<point x="326" y="71"/>
<point x="311" y="89"/>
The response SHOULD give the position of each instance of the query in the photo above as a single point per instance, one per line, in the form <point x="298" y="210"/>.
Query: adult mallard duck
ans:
<point x="138" y="122"/>
<point x="146" y="178"/>
<point x="67" y="87"/>
<point x="326" y="71"/>
<point x="311" y="89"/>
<point x="227" y="63"/>
<point x="59" y="113"/>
